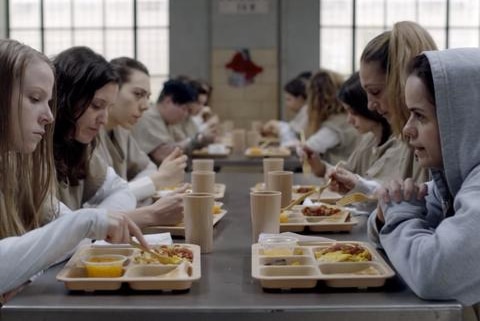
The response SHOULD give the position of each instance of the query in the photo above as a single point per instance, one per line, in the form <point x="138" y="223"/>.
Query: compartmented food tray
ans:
<point x="319" y="217"/>
<point x="267" y="152"/>
<point x="139" y="271"/>
<point x="327" y="196"/>
<point x="204" y="152"/>
<point x="179" y="230"/>
<point x="358" y="265"/>
<point x="219" y="191"/>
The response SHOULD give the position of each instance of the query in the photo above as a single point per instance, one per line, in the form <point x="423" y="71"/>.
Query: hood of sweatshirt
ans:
<point x="456" y="77"/>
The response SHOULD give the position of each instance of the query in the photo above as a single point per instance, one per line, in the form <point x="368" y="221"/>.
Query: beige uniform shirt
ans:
<point x="363" y="156"/>
<point x="348" y="138"/>
<point x="152" y="131"/>
<point x="120" y="150"/>
<point x="75" y="196"/>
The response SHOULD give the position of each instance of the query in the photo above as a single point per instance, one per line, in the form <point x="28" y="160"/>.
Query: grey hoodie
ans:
<point x="435" y="244"/>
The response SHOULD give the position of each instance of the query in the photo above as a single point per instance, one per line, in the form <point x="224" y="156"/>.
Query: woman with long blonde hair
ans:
<point x="28" y="242"/>
<point x="383" y="66"/>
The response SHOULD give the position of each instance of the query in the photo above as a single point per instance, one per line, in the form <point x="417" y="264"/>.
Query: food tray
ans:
<point x="298" y="222"/>
<point x="179" y="230"/>
<point x="165" y="277"/>
<point x="204" y="152"/>
<point x="303" y="270"/>
<point x="327" y="195"/>
<point x="219" y="191"/>
<point x="267" y="152"/>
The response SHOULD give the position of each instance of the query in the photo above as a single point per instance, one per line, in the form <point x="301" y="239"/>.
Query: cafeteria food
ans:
<point x="177" y="254"/>
<point x="217" y="209"/>
<point x="283" y="217"/>
<point x="343" y="252"/>
<point x="255" y="151"/>
<point x="320" y="210"/>
<point x="104" y="266"/>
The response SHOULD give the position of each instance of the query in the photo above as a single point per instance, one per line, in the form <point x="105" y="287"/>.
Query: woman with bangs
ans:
<point x="36" y="230"/>
<point x="88" y="87"/>
<point x="328" y="132"/>
<point x="382" y="75"/>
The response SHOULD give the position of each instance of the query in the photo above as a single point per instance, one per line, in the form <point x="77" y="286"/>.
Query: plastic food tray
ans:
<point x="327" y="196"/>
<point x="298" y="222"/>
<point x="219" y="191"/>
<point x="137" y="276"/>
<point x="269" y="152"/>
<point x="303" y="270"/>
<point x="203" y="152"/>
<point x="179" y="230"/>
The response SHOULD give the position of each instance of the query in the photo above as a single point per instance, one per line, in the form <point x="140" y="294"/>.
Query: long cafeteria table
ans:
<point x="226" y="290"/>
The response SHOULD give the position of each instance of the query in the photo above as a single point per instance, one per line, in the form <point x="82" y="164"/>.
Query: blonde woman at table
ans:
<point x="430" y="231"/>
<point x="382" y="75"/>
<point x="374" y="131"/>
<point x="328" y="132"/>
<point x="118" y="147"/>
<point x="35" y="230"/>
<point x="88" y="86"/>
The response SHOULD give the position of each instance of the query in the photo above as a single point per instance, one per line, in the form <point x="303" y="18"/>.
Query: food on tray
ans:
<point x="283" y="217"/>
<point x="255" y="151"/>
<point x="216" y="209"/>
<point x="343" y="253"/>
<point x="176" y="253"/>
<point x="104" y="266"/>
<point x="303" y="189"/>
<point x="320" y="210"/>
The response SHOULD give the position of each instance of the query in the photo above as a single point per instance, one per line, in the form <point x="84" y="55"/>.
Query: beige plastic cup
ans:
<point x="198" y="220"/>
<point x="257" y="126"/>
<point x="281" y="181"/>
<point x="202" y="165"/>
<point x="238" y="141"/>
<point x="253" y="138"/>
<point x="271" y="164"/>
<point x="265" y="213"/>
<point x="203" y="182"/>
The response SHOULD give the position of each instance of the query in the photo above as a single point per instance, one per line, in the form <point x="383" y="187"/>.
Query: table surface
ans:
<point x="226" y="289"/>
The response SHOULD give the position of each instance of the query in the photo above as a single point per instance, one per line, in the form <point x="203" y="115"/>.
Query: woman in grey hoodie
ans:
<point x="430" y="232"/>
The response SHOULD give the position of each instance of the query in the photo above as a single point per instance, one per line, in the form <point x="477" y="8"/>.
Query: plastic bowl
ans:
<point x="104" y="266"/>
<point x="278" y="245"/>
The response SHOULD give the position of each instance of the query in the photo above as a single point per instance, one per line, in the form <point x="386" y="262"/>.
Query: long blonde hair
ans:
<point x="26" y="179"/>
<point x="393" y="50"/>
<point x="322" y="98"/>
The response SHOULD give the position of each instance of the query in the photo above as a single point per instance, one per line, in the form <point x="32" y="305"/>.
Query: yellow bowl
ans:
<point x="104" y="266"/>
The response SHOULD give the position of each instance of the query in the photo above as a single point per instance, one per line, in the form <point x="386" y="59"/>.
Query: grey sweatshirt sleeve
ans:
<point x="436" y="256"/>
<point x="26" y="255"/>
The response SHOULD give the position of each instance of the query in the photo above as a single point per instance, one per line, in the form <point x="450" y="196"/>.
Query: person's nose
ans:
<point x="47" y="116"/>
<point x="103" y="117"/>
<point x="409" y="130"/>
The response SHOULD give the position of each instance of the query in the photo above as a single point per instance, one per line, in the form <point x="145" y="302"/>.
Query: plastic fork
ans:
<point x="161" y="258"/>
<point x="297" y="201"/>
<point x="354" y="198"/>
